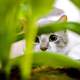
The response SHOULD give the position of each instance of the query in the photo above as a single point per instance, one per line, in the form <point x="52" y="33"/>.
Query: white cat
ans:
<point x="52" y="42"/>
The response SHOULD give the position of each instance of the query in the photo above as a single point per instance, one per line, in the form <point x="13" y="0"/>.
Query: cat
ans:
<point x="53" y="42"/>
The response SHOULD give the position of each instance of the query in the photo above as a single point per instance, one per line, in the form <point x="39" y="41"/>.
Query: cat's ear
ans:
<point x="63" y="18"/>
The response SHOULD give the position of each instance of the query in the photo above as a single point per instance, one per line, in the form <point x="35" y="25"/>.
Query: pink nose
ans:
<point x="43" y="48"/>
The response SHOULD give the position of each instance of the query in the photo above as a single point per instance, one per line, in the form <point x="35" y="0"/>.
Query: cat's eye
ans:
<point x="37" y="40"/>
<point x="53" y="37"/>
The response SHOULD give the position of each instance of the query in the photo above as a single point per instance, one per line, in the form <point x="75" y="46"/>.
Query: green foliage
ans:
<point x="75" y="27"/>
<point x="31" y="10"/>
<point x="76" y="2"/>
<point x="8" y="14"/>
<point x="54" y="60"/>
<point x="6" y="6"/>
<point x="53" y="27"/>
<point x="40" y="7"/>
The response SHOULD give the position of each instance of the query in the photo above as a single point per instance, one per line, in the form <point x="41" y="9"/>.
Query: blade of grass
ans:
<point x="53" y="27"/>
<point x="8" y="24"/>
<point x="75" y="27"/>
<point x="50" y="59"/>
<point x="26" y="62"/>
<point x="54" y="60"/>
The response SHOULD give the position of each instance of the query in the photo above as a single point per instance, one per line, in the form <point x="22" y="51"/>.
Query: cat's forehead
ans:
<point x="44" y="35"/>
<point x="59" y="33"/>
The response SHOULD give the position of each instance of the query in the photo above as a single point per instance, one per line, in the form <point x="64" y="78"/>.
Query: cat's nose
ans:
<point x="43" y="48"/>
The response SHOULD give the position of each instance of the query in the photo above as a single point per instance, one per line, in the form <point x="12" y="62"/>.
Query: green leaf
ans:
<point x="54" y="60"/>
<point x="6" y="6"/>
<point x="36" y="8"/>
<point x="75" y="27"/>
<point x="41" y="7"/>
<point x="53" y="27"/>
<point x="8" y="17"/>
<point x="49" y="59"/>
<point x="76" y="2"/>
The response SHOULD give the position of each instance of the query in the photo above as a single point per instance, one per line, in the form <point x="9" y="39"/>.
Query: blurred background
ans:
<point x="70" y="9"/>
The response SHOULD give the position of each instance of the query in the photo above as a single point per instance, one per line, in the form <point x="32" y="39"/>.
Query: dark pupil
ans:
<point x="37" y="40"/>
<point x="52" y="38"/>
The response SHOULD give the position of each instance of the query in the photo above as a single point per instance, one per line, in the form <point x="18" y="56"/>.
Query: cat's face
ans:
<point x="53" y="42"/>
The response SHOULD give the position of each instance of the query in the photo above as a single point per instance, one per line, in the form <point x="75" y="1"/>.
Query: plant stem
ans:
<point x="30" y="34"/>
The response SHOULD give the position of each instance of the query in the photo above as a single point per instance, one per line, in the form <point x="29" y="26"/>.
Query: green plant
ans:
<point x="10" y="13"/>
